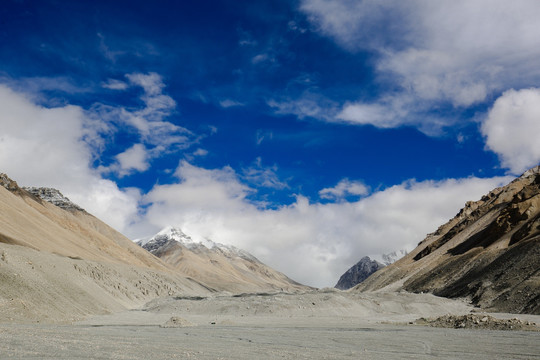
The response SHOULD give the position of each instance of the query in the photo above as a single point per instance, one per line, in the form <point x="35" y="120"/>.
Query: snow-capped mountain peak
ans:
<point x="390" y="258"/>
<point x="175" y="234"/>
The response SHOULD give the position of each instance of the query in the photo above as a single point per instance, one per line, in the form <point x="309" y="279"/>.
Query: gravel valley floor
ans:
<point x="272" y="326"/>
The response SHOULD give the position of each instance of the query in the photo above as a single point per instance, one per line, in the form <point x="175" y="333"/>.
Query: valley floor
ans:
<point x="321" y="340"/>
<point x="313" y="325"/>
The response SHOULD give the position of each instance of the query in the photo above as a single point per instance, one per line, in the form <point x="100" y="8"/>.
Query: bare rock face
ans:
<point x="358" y="273"/>
<point x="7" y="183"/>
<point x="53" y="196"/>
<point x="489" y="252"/>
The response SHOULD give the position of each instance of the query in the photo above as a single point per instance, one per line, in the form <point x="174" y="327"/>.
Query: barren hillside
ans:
<point x="489" y="252"/>
<point x="221" y="267"/>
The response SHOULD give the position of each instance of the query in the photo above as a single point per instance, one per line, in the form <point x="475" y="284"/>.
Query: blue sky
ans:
<point x="308" y="132"/>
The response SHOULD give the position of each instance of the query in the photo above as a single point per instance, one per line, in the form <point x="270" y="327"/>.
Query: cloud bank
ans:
<point x="58" y="146"/>
<point x="328" y="237"/>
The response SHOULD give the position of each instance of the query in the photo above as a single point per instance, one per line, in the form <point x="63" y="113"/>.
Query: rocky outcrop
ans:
<point x="7" y="183"/>
<point x="54" y="197"/>
<point x="358" y="273"/>
<point x="489" y="253"/>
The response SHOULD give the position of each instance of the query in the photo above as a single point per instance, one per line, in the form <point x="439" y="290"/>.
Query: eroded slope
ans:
<point x="489" y="252"/>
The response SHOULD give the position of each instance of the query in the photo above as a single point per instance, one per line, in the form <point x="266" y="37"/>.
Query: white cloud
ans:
<point x="156" y="133"/>
<point x="57" y="146"/>
<point x="114" y="84"/>
<point x="329" y="238"/>
<point x="200" y="152"/>
<point x="511" y="129"/>
<point x="394" y="111"/>
<point x="343" y="189"/>
<point x="452" y="51"/>
<point x="350" y="23"/>
<point x="134" y="158"/>
<point x="54" y="147"/>
<point x="260" y="58"/>
<point x="152" y="83"/>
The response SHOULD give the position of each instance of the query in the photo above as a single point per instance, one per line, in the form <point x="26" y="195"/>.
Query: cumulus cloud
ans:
<point x="344" y="189"/>
<point x="54" y="147"/>
<point x="453" y="51"/>
<point x="329" y="237"/>
<point x="511" y="129"/>
<point x="134" y="158"/>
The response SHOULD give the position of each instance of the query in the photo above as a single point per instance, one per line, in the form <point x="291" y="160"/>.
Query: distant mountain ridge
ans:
<point x="365" y="267"/>
<point x="358" y="273"/>
<point x="489" y="252"/>
<point x="172" y="233"/>
<point x="221" y="267"/>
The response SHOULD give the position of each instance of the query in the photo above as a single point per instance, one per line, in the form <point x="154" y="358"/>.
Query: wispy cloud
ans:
<point x="227" y="103"/>
<point x="157" y="135"/>
<point x="343" y="189"/>
<point x="308" y="105"/>
<point x="446" y="52"/>
<point x="55" y="147"/>
<point x="115" y="84"/>
<point x="261" y="176"/>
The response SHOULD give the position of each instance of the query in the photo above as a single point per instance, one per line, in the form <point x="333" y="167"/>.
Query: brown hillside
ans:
<point x="489" y="252"/>
<point x="222" y="268"/>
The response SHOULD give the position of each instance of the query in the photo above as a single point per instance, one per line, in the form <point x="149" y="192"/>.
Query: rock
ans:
<point x="473" y="321"/>
<point x="358" y="273"/>
<point x="7" y="183"/>
<point x="54" y="197"/>
<point x="177" y="322"/>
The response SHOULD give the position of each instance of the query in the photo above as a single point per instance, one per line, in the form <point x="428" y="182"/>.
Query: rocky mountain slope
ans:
<point x="63" y="228"/>
<point x="365" y="267"/>
<point x="59" y="263"/>
<point x="221" y="267"/>
<point x="358" y="273"/>
<point x="489" y="252"/>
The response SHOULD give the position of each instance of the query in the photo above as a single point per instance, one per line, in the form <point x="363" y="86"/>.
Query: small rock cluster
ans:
<point x="478" y="321"/>
<point x="176" y="322"/>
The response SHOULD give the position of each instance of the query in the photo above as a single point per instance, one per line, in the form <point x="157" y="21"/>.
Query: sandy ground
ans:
<point x="315" y="325"/>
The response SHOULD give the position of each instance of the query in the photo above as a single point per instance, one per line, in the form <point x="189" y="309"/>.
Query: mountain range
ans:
<point x="58" y="263"/>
